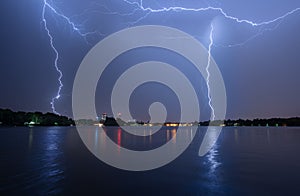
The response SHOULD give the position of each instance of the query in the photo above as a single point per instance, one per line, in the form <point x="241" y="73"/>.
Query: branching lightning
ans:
<point x="139" y="6"/>
<point x="218" y="9"/>
<point x="211" y="42"/>
<point x="56" y="58"/>
<point x="46" y="6"/>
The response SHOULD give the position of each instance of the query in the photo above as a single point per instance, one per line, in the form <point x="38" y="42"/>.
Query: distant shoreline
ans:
<point x="9" y="118"/>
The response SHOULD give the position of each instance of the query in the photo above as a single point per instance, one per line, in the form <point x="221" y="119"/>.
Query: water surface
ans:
<point x="244" y="161"/>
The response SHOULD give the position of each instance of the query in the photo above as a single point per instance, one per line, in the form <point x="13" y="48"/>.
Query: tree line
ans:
<point x="11" y="118"/>
<point x="273" y="122"/>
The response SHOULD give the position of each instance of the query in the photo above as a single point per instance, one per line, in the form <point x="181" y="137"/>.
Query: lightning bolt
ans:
<point x="220" y="10"/>
<point x="56" y="57"/>
<point x="139" y="6"/>
<point x="211" y="42"/>
<point x="279" y="19"/>
<point x="46" y="6"/>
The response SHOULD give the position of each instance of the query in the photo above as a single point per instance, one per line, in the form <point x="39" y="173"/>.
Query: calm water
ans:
<point x="245" y="161"/>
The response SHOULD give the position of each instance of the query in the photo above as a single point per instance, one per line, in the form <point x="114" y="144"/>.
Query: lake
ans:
<point x="244" y="161"/>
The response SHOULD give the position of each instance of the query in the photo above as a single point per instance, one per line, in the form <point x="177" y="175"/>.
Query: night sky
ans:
<point x="261" y="75"/>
